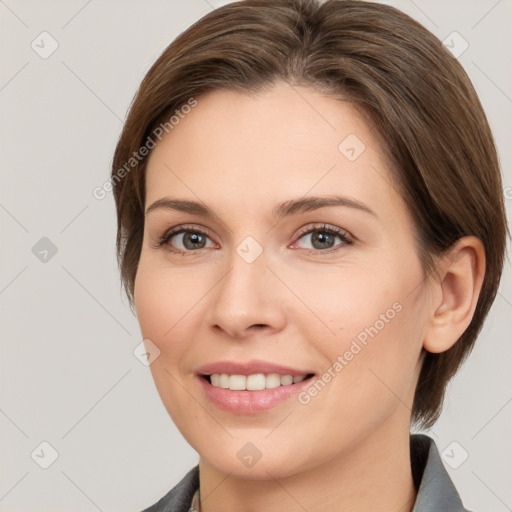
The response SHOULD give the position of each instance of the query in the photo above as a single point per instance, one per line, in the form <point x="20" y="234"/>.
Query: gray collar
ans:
<point x="436" y="491"/>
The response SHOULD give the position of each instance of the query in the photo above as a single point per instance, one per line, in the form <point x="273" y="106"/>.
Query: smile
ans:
<point x="252" y="387"/>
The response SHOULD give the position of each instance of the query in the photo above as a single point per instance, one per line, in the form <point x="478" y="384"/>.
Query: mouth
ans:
<point x="251" y="387"/>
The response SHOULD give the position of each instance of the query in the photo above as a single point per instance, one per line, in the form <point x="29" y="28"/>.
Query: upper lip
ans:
<point x="249" y="368"/>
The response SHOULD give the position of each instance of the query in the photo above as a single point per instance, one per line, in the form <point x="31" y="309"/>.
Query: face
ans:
<point x="309" y="314"/>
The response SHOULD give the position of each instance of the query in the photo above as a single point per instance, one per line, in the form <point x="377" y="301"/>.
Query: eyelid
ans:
<point x="186" y="227"/>
<point x="322" y="226"/>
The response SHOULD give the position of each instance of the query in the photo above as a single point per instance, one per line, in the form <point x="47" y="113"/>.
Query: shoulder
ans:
<point x="178" y="499"/>
<point x="436" y="490"/>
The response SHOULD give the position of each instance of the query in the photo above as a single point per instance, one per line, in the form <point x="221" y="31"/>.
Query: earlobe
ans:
<point x="459" y="282"/>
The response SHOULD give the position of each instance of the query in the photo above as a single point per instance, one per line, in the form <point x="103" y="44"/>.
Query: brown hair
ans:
<point x="416" y="93"/>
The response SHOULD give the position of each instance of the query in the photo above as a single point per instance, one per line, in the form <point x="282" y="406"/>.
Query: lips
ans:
<point x="250" y="368"/>
<point x="251" y="387"/>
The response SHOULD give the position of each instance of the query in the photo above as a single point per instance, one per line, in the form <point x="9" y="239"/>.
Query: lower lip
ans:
<point x="251" y="402"/>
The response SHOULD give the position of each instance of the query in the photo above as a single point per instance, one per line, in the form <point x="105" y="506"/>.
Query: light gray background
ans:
<point x="68" y="373"/>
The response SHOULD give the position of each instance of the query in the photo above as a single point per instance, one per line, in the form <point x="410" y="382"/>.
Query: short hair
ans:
<point x="416" y="94"/>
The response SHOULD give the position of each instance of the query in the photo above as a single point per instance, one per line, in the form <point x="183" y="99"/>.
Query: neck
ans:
<point x="374" y="475"/>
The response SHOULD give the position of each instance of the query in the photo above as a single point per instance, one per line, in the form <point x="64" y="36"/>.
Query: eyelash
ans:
<point x="343" y="235"/>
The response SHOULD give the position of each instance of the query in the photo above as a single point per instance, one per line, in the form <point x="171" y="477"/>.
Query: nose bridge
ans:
<point x="247" y="264"/>
<point x="244" y="297"/>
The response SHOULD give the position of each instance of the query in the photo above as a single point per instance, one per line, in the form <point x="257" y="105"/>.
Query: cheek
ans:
<point x="161" y="303"/>
<point x="150" y="302"/>
<point x="346" y="302"/>
<point x="369" y="373"/>
<point x="373" y="325"/>
<point x="164" y="311"/>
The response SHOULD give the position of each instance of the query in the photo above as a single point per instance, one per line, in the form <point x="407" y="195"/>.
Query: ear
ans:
<point x="457" y="285"/>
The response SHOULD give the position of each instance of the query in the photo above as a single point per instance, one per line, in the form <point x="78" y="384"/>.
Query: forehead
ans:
<point x="284" y="114"/>
<point x="273" y="145"/>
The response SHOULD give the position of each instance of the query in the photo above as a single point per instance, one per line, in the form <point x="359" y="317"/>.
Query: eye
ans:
<point x="322" y="238"/>
<point x="319" y="239"/>
<point x="183" y="240"/>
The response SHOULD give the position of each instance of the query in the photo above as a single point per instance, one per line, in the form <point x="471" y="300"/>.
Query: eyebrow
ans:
<point x="285" y="209"/>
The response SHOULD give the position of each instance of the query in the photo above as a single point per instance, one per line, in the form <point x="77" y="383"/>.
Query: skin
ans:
<point x="348" y="448"/>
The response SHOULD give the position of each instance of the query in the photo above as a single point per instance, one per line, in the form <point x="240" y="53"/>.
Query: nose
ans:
<point x="249" y="299"/>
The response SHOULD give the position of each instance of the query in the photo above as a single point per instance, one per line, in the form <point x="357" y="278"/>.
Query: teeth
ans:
<point x="272" y="381"/>
<point x="224" y="381"/>
<point x="255" y="382"/>
<point x="237" y="382"/>
<point x="286" y="380"/>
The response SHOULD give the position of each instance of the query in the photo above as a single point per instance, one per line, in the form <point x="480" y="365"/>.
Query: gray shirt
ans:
<point x="436" y="492"/>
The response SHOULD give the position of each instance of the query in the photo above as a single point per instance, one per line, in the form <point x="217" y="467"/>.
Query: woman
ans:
<point x="311" y="231"/>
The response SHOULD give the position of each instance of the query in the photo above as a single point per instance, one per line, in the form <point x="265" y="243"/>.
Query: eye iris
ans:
<point x="197" y="241"/>
<point x="325" y="239"/>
